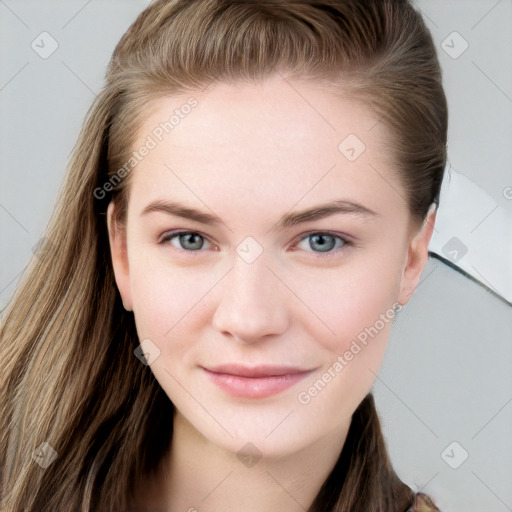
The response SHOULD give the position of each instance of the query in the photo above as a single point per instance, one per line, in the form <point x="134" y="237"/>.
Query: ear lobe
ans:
<point x="119" y="253"/>
<point x="417" y="256"/>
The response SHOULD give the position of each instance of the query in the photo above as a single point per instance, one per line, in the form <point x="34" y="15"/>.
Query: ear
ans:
<point x="417" y="256"/>
<point x="119" y="253"/>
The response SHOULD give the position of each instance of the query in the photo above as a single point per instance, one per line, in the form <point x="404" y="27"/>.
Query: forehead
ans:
<point x="274" y="137"/>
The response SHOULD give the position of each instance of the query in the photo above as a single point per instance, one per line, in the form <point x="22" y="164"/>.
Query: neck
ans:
<point x="202" y="477"/>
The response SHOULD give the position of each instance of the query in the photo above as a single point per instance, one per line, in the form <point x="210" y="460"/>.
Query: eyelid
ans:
<point x="168" y="235"/>
<point x="347" y="240"/>
<point x="347" y="243"/>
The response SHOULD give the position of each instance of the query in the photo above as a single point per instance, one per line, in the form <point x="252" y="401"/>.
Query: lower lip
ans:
<point x="254" y="387"/>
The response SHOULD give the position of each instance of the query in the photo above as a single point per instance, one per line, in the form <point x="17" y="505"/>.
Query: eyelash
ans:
<point x="346" y="243"/>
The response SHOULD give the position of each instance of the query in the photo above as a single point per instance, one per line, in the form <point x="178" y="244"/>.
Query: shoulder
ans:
<point x="422" y="503"/>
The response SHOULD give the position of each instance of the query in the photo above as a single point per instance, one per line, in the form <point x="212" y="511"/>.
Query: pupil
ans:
<point x="191" y="236"/>
<point x="322" y="237"/>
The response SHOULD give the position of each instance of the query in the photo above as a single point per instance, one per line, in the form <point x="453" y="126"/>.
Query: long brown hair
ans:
<point x="70" y="384"/>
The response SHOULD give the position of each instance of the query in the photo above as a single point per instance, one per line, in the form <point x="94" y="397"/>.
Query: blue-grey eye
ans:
<point x="188" y="240"/>
<point x="324" y="243"/>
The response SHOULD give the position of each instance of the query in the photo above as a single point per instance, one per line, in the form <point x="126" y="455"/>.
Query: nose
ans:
<point x="253" y="302"/>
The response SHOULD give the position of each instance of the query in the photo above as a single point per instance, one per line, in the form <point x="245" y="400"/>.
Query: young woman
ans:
<point x="248" y="205"/>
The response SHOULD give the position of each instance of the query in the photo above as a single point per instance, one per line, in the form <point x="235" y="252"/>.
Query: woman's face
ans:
<point x="255" y="281"/>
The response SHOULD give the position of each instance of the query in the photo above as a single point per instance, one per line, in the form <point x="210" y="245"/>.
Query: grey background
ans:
<point x="446" y="376"/>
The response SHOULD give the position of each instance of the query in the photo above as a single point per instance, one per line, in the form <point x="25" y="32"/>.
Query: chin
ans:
<point x="277" y="433"/>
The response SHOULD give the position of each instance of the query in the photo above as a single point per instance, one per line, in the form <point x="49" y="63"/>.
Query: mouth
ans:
<point x="257" y="381"/>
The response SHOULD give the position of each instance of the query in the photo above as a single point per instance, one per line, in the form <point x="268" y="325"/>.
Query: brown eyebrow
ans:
<point x="288" y="220"/>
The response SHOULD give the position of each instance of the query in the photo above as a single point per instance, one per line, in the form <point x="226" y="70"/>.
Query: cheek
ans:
<point x="335" y="305"/>
<point x="357" y="317"/>
<point x="166" y="299"/>
<point x="353" y="302"/>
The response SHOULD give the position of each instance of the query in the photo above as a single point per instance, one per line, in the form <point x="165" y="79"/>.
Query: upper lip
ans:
<point x="255" y="371"/>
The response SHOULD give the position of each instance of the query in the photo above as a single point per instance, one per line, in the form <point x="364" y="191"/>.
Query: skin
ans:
<point x="250" y="154"/>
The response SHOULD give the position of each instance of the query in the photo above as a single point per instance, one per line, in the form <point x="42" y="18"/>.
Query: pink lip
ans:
<point x="255" y="382"/>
